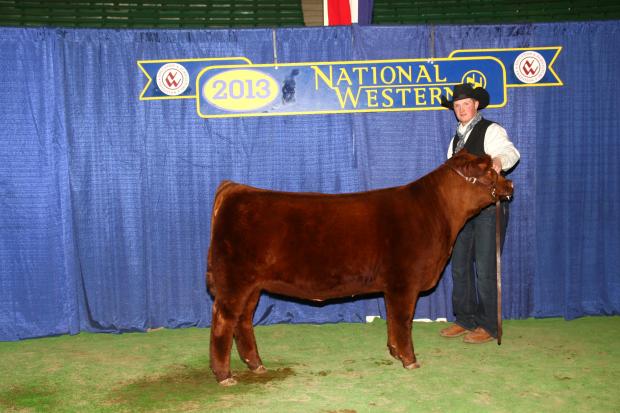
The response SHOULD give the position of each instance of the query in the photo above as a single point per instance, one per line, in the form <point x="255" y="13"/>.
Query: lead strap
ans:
<point x="498" y="262"/>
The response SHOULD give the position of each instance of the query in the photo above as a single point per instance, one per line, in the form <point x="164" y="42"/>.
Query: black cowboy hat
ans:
<point x="464" y="91"/>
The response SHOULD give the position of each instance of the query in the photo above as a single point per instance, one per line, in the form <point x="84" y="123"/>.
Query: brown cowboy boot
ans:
<point x="479" y="335"/>
<point x="454" y="330"/>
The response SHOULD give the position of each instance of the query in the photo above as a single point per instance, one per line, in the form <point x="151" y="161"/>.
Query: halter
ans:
<point x="474" y="180"/>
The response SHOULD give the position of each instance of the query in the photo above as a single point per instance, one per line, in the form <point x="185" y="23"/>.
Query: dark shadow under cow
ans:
<point x="395" y="241"/>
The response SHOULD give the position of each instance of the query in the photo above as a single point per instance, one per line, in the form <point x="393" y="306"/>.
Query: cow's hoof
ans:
<point x="228" y="382"/>
<point x="414" y="365"/>
<point x="260" y="370"/>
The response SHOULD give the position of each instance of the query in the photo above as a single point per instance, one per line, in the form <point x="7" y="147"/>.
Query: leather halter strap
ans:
<point x="474" y="180"/>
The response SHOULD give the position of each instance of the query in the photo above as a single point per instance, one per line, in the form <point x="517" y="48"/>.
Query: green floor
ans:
<point x="546" y="365"/>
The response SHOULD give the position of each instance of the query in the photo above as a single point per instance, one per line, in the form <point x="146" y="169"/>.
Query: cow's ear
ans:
<point x="478" y="166"/>
<point x="471" y="168"/>
<point x="485" y="163"/>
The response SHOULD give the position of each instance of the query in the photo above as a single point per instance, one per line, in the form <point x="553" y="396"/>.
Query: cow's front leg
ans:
<point x="399" y="308"/>
<point x="244" y="336"/>
<point x="222" y="327"/>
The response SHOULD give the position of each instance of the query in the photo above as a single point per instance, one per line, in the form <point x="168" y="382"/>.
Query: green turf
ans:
<point x="546" y="365"/>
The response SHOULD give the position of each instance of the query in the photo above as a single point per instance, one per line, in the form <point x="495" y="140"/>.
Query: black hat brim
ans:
<point x="479" y="94"/>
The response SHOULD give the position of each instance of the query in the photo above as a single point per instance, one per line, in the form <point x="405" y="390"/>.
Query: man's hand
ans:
<point x="497" y="164"/>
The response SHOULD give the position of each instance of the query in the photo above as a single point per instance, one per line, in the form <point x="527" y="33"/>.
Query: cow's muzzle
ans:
<point x="503" y="189"/>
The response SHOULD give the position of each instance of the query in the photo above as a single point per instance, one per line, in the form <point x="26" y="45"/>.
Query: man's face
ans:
<point x="465" y="109"/>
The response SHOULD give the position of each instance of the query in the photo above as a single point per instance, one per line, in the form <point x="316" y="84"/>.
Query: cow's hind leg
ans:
<point x="224" y="320"/>
<point x="244" y="336"/>
<point x="400" y="308"/>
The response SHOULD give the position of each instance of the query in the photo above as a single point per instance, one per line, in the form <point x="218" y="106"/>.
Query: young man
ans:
<point x="474" y="294"/>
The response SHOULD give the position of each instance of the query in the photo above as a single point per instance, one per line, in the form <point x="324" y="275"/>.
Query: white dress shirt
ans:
<point x="496" y="144"/>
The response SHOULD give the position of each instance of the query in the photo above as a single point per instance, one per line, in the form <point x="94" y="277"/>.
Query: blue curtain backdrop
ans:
<point x="105" y="200"/>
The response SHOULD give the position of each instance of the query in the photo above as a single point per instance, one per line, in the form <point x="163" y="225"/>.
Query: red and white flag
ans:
<point x="346" y="12"/>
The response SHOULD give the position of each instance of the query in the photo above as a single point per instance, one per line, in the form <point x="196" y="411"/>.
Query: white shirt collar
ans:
<point x="462" y="127"/>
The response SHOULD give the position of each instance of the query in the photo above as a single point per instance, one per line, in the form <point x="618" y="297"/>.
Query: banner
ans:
<point x="527" y="67"/>
<point x="234" y="87"/>
<point x="171" y="79"/>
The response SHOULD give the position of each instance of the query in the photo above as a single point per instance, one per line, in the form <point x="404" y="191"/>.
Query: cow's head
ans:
<point x="479" y="171"/>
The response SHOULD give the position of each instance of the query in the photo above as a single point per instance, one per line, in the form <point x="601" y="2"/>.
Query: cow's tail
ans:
<point x="217" y="203"/>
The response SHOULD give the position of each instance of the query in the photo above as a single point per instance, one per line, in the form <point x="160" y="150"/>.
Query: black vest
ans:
<point x="475" y="142"/>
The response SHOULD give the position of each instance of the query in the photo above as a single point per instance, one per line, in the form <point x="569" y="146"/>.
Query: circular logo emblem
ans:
<point x="530" y="67"/>
<point x="475" y="78"/>
<point x="172" y="79"/>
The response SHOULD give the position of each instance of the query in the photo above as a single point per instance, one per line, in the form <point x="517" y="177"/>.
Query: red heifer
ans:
<point x="317" y="247"/>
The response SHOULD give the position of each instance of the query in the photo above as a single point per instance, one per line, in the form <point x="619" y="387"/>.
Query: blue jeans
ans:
<point x="474" y="293"/>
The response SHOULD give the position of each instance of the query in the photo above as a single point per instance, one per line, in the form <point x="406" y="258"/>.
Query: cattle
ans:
<point x="313" y="246"/>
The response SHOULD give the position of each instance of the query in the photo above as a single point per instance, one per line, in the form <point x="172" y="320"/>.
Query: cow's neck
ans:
<point x="458" y="199"/>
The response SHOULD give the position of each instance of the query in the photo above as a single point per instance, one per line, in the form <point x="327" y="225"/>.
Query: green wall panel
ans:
<point x="140" y="14"/>
<point x="491" y="11"/>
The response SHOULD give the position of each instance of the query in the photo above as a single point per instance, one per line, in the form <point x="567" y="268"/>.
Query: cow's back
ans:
<point x="308" y="245"/>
